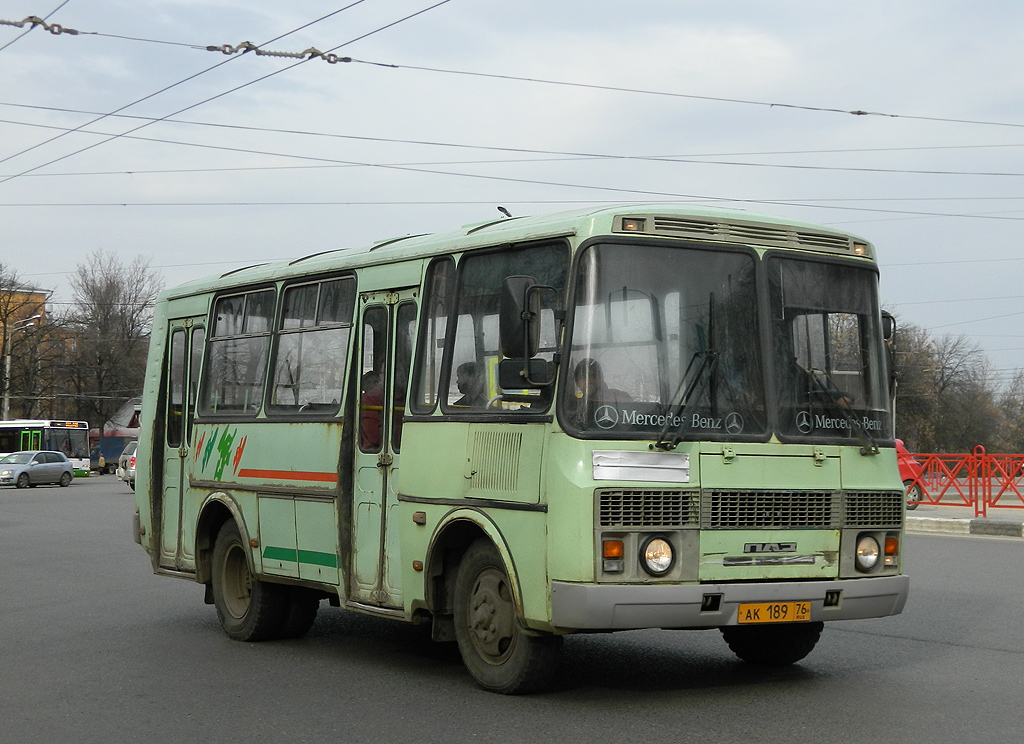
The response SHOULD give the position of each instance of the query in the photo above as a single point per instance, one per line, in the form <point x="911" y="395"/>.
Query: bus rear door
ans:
<point x="186" y="337"/>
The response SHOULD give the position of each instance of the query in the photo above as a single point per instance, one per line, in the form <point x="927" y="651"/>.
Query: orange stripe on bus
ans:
<point x="294" y="475"/>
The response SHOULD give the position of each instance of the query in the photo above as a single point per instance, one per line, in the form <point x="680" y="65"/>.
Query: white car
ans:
<point x="126" y="464"/>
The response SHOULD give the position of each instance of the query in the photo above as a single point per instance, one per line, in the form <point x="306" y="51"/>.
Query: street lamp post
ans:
<point x="16" y="326"/>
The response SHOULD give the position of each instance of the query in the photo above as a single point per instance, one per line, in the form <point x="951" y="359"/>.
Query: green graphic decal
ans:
<point x="209" y="448"/>
<point x="224" y="452"/>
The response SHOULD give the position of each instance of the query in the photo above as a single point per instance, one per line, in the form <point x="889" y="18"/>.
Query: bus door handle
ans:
<point x="385" y="460"/>
<point x="183" y="452"/>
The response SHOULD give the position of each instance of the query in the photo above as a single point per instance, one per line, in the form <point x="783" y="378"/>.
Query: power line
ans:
<point x="689" y="159"/>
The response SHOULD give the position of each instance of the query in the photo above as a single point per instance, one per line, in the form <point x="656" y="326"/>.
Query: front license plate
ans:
<point x="773" y="612"/>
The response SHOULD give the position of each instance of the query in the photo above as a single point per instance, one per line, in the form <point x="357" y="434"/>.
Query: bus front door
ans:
<point x="185" y="341"/>
<point x="387" y="328"/>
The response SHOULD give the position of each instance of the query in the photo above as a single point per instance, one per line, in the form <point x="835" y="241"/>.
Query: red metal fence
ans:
<point x="977" y="480"/>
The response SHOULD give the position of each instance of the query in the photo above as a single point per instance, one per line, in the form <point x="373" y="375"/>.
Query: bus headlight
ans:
<point x="657" y="556"/>
<point x="868" y="553"/>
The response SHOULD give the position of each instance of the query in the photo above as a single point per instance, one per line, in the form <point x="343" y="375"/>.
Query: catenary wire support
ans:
<point x="54" y="28"/>
<point x="248" y="46"/>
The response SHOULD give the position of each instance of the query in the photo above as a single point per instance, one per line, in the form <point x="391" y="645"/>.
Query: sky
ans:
<point x="900" y="122"/>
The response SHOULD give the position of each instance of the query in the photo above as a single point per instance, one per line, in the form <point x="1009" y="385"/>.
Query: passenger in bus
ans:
<point x="470" y="381"/>
<point x="593" y="393"/>
<point x="371" y="414"/>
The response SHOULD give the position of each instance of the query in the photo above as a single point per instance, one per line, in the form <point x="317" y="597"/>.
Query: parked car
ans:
<point x="126" y="464"/>
<point x="911" y="472"/>
<point x="32" y="467"/>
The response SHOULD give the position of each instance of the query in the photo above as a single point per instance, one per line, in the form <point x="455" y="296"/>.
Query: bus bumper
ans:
<point x="630" y="607"/>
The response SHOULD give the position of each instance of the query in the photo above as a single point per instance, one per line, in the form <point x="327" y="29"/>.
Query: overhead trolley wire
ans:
<point x="220" y="95"/>
<point x="313" y="53"/>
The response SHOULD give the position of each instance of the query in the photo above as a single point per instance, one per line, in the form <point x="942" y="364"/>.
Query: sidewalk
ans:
<point x="960" y="520"/>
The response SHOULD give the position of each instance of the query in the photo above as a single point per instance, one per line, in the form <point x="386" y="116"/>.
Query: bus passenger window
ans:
<point x="312" y="346"/>
<point x="234" y="376"/>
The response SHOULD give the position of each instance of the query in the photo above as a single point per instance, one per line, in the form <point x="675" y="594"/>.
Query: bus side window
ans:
<point x="436" y="308"/>
<point x="405" y="333"/>
<point x="481" y="278"/>
<point x="235" y="369"/>
<point x="175" y="387"/>
<point x="373" y="378"/>
<point x="198" y="342"/>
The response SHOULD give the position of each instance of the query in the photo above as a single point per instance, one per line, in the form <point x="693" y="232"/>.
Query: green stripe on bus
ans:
<point x="311" y="557"/>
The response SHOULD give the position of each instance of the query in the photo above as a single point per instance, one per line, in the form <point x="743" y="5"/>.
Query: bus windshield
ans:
<point x="828" y="352"/>
<point x="665" y="341"/>
<point x="666" y="345"/>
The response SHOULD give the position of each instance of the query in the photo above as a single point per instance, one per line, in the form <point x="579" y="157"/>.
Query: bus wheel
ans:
<point x="22" y="481"/>
<point x="65" y="480"/>
<point x="499" y="654"/>
<point x="772" y="645"/>
<point x="303" y="605"/>
<point x="249" y="609"/>
<point x="914" y="494"/>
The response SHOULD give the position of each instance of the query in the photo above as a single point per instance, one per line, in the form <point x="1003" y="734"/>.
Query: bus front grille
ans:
<point x="874" y="509"/>
<point x="776" y="510"/>
<point x="752" y="509"/>
<point x="647" y="508"/>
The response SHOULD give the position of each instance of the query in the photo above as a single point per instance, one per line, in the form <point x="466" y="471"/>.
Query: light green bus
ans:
<point x="642" y="416"/>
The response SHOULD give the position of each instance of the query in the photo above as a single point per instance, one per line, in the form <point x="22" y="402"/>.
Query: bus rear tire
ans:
<point x="248" y="609"/>
<point x="303" y="604"/>
<point x="496" y="650"/>
<point x="772" y="645"/>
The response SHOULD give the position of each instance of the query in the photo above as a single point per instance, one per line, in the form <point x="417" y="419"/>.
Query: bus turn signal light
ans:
<point x="612" y="551"/>
<point x="892" y="550"/>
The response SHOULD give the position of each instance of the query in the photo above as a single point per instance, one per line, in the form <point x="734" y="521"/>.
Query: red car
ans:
<point x="911" y="472"/>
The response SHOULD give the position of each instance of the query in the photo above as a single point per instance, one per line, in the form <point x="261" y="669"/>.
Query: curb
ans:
<point x="946" y="526"/>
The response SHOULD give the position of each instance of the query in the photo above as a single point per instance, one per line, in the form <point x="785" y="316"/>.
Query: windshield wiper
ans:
<point x="841" y="404"/>
<point x="705" y="362"/>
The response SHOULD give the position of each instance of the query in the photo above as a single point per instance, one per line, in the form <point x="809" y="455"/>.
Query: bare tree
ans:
<point x="108" y="333"/>
<point x="24" y="336"/>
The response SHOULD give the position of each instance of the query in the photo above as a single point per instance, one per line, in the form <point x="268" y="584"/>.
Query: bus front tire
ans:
<point x="772" y="645"/>
<point x="496" y="650"/>
<point x="248" y="609"/>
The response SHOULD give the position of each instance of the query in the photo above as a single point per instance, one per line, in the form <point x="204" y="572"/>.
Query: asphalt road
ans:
<point x="94" y="648"/>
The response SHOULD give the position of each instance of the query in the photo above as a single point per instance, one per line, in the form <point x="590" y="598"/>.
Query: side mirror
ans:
<point x="519" y="321"/>
<point x="889" y="334"/>
<point x="514" y="374"/>
<point x="888" y="326"/>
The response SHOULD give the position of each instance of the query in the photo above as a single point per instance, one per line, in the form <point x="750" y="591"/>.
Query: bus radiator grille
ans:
<point x="874" y="509"/>
<point x="758" y="510"/>
<point x="647" y="508"/>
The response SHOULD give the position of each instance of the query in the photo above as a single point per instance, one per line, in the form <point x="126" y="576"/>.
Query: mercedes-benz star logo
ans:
<point x="606" y="417"/>
<point x="734" y="423"/>
<point x="804" y="422"/>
